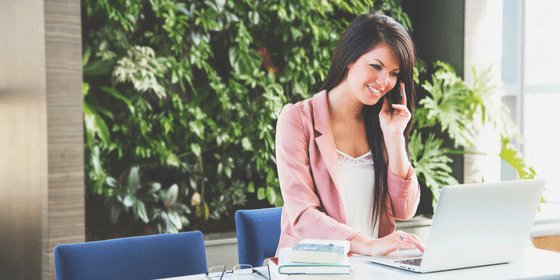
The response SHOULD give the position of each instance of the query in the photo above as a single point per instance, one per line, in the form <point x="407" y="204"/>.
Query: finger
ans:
<point x="400" y="107"/>
<point x="385" y="106"/>
<point x="402" y="110"/>
<point x="411" y="242"/>
<point x="403" y="90"/>
<point x="415" y="237"/>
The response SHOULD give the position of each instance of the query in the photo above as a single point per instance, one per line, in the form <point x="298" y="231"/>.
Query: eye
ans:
<point x="375" y="66"/>
<point x="395" y="74"/>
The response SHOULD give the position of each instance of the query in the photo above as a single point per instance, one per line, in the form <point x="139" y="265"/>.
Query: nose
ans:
<point x="383" y="79"/>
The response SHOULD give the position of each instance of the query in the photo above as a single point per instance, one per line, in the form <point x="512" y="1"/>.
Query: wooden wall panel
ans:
<point x="63" y="53"/>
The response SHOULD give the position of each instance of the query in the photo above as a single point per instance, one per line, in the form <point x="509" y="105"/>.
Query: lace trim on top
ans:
<point x="367" y="158"/>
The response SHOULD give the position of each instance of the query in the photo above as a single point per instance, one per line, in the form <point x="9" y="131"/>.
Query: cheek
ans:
<point x="358" y="78"/>
<point x="393" y="82"/>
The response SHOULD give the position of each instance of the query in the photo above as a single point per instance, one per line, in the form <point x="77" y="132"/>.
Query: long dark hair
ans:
<point x="362" y="35"/>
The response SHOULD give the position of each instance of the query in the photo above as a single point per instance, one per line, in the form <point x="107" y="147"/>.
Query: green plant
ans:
<point x="148" y="202"/>
<point x="456" y="110"/>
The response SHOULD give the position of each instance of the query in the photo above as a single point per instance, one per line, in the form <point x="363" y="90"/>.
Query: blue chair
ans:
<point x="142" y="257"/>
<point x="258" y="233"/>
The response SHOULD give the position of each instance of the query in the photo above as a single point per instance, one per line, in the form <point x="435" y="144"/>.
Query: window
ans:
<point x="531" y="75"/>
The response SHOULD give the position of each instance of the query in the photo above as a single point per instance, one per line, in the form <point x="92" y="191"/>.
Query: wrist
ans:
<point x="362" y="244"/>
<point x="396" y="138"/>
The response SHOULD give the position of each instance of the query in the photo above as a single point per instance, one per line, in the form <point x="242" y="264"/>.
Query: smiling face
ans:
<point x="373" y="74"/>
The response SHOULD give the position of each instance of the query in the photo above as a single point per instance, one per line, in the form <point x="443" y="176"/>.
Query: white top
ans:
<point x="358" y="177"/>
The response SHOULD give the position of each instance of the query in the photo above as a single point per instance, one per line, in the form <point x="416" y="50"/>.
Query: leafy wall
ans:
<point x="181" y="99"/>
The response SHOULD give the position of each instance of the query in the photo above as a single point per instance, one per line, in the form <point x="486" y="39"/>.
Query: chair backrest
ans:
<point x="142" y="257"/>
<point x="258" y="233"/>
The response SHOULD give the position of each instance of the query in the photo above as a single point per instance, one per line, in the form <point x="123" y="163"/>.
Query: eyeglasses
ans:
<point x="217" y="272"/>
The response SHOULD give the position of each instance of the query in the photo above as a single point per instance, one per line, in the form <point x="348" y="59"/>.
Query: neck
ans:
<point x="344" y="105"/>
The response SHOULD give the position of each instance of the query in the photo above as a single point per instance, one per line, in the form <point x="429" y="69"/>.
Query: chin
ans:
<point x="371" y="100"/>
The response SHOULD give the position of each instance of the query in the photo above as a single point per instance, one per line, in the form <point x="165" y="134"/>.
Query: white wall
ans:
<point x="483" y="47"/>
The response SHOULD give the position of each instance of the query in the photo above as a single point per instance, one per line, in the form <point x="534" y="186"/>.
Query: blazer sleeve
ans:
<point x="297" y="185"/>
<point x="405" y="194"/>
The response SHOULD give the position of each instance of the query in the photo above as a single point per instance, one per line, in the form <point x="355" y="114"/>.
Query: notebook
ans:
<point x="475" y="225"/>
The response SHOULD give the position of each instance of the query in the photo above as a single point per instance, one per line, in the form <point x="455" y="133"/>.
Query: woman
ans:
<point x="342" y="155"/>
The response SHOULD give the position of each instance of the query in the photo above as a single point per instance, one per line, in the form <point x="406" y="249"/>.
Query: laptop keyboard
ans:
<point x="414" y="262"/>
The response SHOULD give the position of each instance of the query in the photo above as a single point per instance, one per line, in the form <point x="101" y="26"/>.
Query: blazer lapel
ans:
<point x="325" y="142"/>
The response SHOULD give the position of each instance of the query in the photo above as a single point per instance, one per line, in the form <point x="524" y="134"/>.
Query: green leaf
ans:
<point x="153" y="187"/>
<point x="90" y="129"/>
<point x="140" y="211"/>
<point x="112" y="182"/>
<point x="172" y="194"/>
<point x="511" y="155"/>
<point x="246" y="143"/>
<point x="261" y="193"/>
<point x="270" y="195"/>
<point x="196" y="149"/>
<point x="86" y="55"/>
<point x="165" y="228"/>
<point x="114" y="213"/>
<point x="175" y="219"/>
<point x="197" y="128"/>
<point x="98" y="67"/>
<point x="85" y="89"/>
<point x="185" y="221"/>
<point x="129" y="200"/>
<point x="134" y="179"/>
<point x="173" y="160"/>
<point x="119" y="96"/>
<point x="94" y="125"/>
<point x="167" y="126"/>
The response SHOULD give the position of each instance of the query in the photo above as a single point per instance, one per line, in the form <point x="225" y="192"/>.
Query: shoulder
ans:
<point x="302" y="111"/>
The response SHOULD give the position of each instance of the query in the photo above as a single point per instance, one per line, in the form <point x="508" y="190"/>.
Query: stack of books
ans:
<point x="313" y="259"/>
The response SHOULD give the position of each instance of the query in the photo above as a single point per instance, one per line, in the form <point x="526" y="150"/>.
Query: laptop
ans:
<point x="475" y="225"/>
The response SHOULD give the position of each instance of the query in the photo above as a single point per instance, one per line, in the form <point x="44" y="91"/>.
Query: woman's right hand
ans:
<point x="395" y="241"/>
<point x="365" y="245"/>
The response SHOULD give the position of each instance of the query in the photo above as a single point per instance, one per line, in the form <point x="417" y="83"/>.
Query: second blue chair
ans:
<point x="142" y="257"/>
<point x="258" y="233"/>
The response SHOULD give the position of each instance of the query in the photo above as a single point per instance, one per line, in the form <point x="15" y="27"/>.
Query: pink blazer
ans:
<point x="311" y="183"/>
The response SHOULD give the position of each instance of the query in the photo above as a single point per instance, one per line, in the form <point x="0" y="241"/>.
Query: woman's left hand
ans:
<point x="394" y="123"/>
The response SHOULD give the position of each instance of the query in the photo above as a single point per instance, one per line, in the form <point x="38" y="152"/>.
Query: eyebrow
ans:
<point x="397" y="69"/>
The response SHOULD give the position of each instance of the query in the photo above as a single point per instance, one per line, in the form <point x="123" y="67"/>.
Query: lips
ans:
<point x="374" y="92"/>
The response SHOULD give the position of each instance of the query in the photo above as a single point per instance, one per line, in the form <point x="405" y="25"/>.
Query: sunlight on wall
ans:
<point x="541" y="111"/>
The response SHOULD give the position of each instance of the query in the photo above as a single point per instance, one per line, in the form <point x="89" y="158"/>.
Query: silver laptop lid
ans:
<point x="481" y="224"/>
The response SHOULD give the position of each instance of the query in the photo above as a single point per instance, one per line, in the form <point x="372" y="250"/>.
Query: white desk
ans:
<point x="536" y="264"/>
<point x="253" y="276"/>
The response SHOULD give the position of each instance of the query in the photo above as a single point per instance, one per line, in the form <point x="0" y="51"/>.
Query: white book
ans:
<point x="286" y="266"/>
<point x="275" y="275"/>
<point x="343" y="243"/>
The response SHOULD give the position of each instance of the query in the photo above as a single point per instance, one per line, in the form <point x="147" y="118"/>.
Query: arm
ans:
<point x="401" y="177"/>
<point x="405" y="194"/>
<point x="297" y="183"/>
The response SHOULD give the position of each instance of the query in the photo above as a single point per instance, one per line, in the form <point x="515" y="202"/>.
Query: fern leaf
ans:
<point x="447" y="104"/>
<point x="431" y="163"/>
